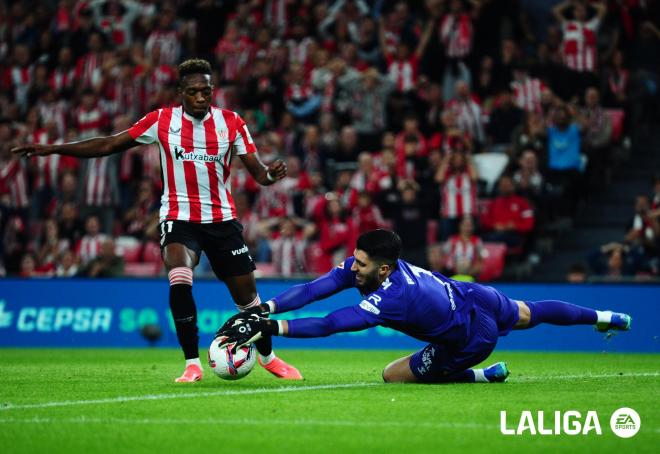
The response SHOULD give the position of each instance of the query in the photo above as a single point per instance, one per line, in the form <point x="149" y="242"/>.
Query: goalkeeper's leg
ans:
<point x="532" y="313"/>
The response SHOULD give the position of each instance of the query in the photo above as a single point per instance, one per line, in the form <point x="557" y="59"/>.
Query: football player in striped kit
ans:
<point x="196" y="142"/>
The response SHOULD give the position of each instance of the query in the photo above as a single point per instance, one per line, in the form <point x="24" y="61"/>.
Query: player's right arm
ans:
<point x="144" y="131"/>
<point x="90" y="148"/>
<point x="339" y="278"/>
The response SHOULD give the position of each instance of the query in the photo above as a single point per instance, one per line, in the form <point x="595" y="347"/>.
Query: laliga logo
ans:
<point x="625" y="423"/>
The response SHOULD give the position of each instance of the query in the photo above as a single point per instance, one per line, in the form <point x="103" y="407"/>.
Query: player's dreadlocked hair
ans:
<point x="194" y="66"/>
<point x="381" y="245"/>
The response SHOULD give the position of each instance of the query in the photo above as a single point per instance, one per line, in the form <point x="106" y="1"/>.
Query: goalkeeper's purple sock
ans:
<point x="560" y="313"/>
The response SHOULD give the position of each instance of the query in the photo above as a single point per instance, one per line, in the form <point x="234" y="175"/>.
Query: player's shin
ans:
<point x="184" y="311"/>
<point x="560" y="313"/>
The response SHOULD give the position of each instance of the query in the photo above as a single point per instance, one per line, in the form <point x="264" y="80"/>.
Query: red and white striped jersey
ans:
<point x="13" y="179"/>
<point x="46" y="169"/>
<point x="456" y="35"/>
<point x="98" y="185"/>
<point x="89" y="246"/>
<point x="276" y="14"/>
<point x="403" y="73"/>
<point x="579" y="45"/>
<point x="88" y="69"/>
<point x="459" y="195"/>
<point x="460" y="250"/>
<point x="527" y="93"/>
<point x="62" y="79"/>
<point x="196" y="157"/>
<point x="288" y="255"/>
<point x="56" y="112"/>
<point x="89" y="122"/>
<point x="468" y="116"/>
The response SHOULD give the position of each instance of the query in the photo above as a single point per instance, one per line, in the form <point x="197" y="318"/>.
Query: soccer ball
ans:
<point x="228" y="365"/>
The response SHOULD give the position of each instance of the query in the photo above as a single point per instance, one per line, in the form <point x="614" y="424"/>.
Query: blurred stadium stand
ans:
<point x="387" y="116"/>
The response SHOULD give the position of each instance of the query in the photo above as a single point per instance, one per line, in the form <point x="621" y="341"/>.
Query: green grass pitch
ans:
<point x="99" y="400"/>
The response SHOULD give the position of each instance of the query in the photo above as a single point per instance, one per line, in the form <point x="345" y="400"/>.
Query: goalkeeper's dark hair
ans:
<point x="383" y="246"/>
<point x="194" y="66"/>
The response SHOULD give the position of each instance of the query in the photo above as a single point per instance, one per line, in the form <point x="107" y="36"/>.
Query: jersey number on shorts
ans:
<point x="165" y="227"/>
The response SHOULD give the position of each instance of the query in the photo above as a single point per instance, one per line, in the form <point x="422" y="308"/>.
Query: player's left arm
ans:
<point x="245" y="148"/>
<point x="263" y="174"/>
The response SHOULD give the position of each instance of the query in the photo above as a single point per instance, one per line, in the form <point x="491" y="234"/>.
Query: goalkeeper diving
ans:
<point x="460" y="321"/>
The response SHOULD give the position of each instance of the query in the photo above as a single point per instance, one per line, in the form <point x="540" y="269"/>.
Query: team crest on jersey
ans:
<point x="223" y="134"/>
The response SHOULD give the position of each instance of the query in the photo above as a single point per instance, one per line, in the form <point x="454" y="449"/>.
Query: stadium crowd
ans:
<point x="467" y="126"/>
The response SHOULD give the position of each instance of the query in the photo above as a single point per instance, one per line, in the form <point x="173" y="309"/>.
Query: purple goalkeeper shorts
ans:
<point x="494" y="316"/>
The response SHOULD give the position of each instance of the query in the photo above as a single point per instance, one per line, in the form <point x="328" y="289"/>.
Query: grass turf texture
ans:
<point x="247" y="416"/>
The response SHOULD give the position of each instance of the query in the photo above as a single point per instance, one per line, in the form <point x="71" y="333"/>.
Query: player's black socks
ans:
<point x="184" y="314"/>
<point x="264" y="345"/>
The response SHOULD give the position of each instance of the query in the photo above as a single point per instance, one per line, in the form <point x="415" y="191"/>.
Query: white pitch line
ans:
<point x="281" y="422"/>
<point x="248" y="422"/>
<point x="585" y="376"/>
<point x="231" y="392"/>
<point x="285" y="389"/>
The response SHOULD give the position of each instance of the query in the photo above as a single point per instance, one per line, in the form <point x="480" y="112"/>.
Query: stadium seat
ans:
<point x="489" y="167"/>
<point x="141" y="269"/>
<point x="493" y="261"/>
<point x="616" y="117"/>
<point x="129" y="248"/>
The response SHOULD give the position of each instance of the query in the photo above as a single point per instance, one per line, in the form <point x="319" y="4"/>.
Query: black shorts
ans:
<point x="222" y="242"/>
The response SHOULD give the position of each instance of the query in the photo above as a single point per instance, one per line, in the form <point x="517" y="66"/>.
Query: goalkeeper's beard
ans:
<point x="369" y="282"/>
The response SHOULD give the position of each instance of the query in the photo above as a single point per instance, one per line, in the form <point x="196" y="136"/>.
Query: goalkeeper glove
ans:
<point x="260" y="311"/>
<point x="248" y="332"/>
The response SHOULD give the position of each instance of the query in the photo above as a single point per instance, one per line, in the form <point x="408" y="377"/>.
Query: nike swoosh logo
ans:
<point x="174" y="131"/>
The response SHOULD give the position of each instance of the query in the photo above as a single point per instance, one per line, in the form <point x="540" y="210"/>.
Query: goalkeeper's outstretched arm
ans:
<point x="301" y="295"/>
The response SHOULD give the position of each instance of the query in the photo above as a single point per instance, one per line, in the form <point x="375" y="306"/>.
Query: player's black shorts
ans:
<point x="222" y="242"/>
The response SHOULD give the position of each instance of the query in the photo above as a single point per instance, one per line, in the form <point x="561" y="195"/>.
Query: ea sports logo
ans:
<point x="625" y="422"/>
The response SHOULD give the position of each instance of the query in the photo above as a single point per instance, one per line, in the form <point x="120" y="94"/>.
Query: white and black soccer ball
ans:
<point x="228" y="365"/>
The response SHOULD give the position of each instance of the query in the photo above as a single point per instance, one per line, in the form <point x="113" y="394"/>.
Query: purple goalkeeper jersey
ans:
<point x="424" y="305"/>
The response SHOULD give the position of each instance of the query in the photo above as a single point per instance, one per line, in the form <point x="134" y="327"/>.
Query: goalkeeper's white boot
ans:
<point x="281" y="369"/>
<point x="192" y="373"/>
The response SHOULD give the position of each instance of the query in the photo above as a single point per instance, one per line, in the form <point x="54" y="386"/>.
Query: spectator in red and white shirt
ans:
<point x="368" y="177"/>
<point x="457" y="177"/>
<point x="166" y="37"/>
<point x="20" y="76"/>
<point x="402" y="67"/>
<point x="13" y="180"/>
<point x="89" y="119"/>
<point x="579" y="44"/>
<point x="89" y="66"/>
<point x="63" y="77"/>
<point x="89" y="246"/>
<point x="336" y="234"/>
<point x="468" y="112"/>
<point x="464" y="251"/>
<point x="288" y="248"/>
<point x="233" y="53"/>
<point x="527" y="90"/>
<point x="366" y="215"/>
<point x="510" y="217"/>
